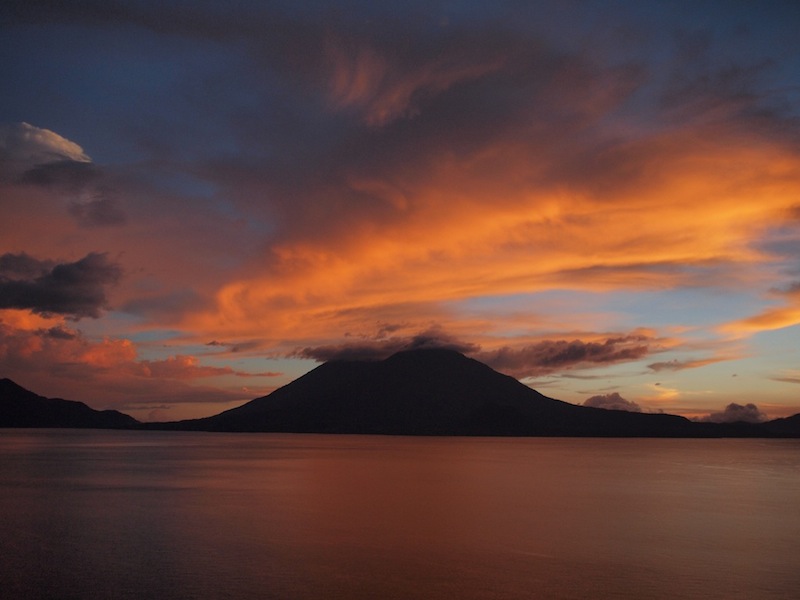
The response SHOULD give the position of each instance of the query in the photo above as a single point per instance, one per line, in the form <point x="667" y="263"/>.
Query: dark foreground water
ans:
<point x="92" y="514"/>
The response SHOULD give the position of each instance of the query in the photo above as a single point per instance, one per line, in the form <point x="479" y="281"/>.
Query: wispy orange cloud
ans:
<point x="189" y="367"/>
<point x="689" y="217"/>
<point x="789" y="376"/>
<point x="769" y="319"/>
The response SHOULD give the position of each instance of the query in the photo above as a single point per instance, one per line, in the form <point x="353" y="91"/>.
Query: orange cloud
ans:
<point x="690" y="215"/>
<point x="107" y="353"/>
<point x="771" y="318"/>
<point x="776" y="318"/>
<point x="108" y="373"/>
<point x="26" y="320"/>
<point x="58" y="346"/>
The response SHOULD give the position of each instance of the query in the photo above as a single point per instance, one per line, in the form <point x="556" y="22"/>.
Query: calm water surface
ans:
<point x="94" y="514"/>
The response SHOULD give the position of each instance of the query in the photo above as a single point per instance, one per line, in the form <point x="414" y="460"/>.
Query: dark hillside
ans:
<point x="21" y="408"/>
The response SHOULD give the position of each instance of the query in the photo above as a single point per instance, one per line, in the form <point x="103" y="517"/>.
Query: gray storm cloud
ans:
<point x="75" y="290"/>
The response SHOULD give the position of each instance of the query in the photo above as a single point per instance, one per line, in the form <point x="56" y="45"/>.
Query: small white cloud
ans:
<point x="27" y="146"/>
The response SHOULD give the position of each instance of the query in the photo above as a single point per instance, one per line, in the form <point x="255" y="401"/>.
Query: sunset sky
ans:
<point x="202" y="200"/>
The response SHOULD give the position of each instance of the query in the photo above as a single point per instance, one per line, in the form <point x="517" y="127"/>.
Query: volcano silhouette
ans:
<point x="424" y="392"/>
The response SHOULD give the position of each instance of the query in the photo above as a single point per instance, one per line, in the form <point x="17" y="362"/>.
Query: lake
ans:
<point x="172" y="515"/>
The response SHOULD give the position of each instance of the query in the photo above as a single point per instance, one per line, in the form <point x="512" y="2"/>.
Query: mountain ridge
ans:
<point x="431" y="391"/>
<point x="22" y="408"/>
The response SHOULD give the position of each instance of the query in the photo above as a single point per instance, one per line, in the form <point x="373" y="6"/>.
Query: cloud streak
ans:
<point x="189" y="367"/>
<point x="552" y="356"/>
<point x="679" y="365"/>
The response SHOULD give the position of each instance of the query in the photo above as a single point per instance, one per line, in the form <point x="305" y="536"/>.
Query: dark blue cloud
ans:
<point x="75" y="290"/>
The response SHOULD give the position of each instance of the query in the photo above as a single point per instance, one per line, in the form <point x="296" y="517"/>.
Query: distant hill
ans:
<point x="21" y="408"/>
<point x="788" y="427"/>
<point x="426" y="392"/>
